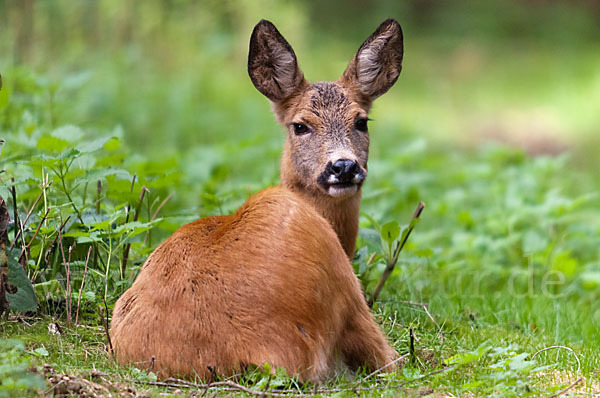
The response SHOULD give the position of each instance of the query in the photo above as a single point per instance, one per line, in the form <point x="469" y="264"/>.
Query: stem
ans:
<point x="391" y="263"/>
<point x="135" y="218"/>
<point x="62" y="180"/>
<point x="82" y="284"/>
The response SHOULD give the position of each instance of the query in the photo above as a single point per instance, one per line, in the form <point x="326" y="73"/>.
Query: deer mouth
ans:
<point x="339" y="189"/>
<point x="342" y="189"/>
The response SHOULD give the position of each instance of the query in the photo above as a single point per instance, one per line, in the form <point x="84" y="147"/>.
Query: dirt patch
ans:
<point x="93" y="384"/>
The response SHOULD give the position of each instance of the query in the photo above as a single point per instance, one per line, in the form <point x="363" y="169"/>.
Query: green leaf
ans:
<point x="25" y="298"/>
<point x="4" y="97"/>
<point x="372" y="221"/>
<point x="68" y="133"/>
<point x="90" y="296"/>
<point x="41" y="352"/>
<point x="52" y="144"/>
<point x="564" y="263"/>
<point x="390" y="231"/>
<point x="92" y="146"/>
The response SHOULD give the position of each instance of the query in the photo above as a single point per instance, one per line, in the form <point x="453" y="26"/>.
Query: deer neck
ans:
<point x="342" y="214"/>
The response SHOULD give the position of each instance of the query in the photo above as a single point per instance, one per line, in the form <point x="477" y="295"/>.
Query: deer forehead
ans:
<point x="329" y="106"/>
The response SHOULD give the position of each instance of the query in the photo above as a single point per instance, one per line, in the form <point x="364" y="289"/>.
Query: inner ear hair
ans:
<point x="378" y="62"/>
<point x="272" y="63"/>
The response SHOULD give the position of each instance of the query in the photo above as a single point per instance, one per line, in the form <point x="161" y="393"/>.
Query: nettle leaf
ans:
<point x="372" y="221"/>
<point x="92" y="146"/>
<point x="95" y="175"/>
<point x="25" y="298"/>
<point x="41" y="352"/>
<point x="390" y="231"/>
<point x="133" y="228"/>
<point x="468" y="357"/>
<point x="52" y="144"/>
<point x="69" y="133"/>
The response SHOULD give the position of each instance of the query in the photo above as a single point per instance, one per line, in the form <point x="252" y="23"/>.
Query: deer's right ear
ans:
<point x="272" y="64"/>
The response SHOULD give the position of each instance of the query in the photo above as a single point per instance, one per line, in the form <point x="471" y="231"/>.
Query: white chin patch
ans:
<point x="338" y="191"/>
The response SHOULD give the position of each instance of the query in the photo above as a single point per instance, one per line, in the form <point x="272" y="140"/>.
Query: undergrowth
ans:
<point x="494" y="293"/>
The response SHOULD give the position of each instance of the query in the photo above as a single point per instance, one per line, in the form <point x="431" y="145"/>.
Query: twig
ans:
<point x="26" y="219"/>
<point x="18" y="224"/>
<point x="394" y="259"/>
<point x="434" y="322"/>
<point x="62" y="226"/>
<point x="160" y="206"/>
<point x="99" y="192"/>
<point x="414" y="303"/>
<point x="48" y="391"/>
<point x="68" y="273"/>
<point x="558" y="394"/>
<point x="411" y="348"/>
<point x="564" y="348"/>
<point x="105" y="323"/>
<point x="37" y="230"/>
<point x="371" y="257"/>
<point x="135" y="218"/>
<point x="158" y="209"/>
<point x="82" y="284"/>
<point x="382" y="368"/>
<point x="229" y="385"/>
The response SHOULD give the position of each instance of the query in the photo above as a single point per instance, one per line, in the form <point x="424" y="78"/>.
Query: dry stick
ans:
<point x="67" y="271"/>
<point x="18" y="224"/>
<point x="435" y="323"/>
<point x="158" y="209"/>
<point x="99" y="192"/>
<point x="127" y="210"/>
<point x="414" y="303"/>
<point x="26" y="219"/>
<point x="135" y="218"/>
<point x="105" y="323"/>
<point x="128" y="207"/>
<point x="231" y="386"/>
<point x="411" y="348"/>
<point x="55" y="239"/>
<point x="82" y="284"/>
<point x="382" y="368"/>
<point x="37" y="229"/>
<point x="561" y="392"/>
<point x="26" y="248"/>
<point x="390" y="267"/>
<point x="69" y="307"/>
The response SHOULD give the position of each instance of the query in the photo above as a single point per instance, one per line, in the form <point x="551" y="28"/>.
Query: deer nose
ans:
<point x="344" y="169"/>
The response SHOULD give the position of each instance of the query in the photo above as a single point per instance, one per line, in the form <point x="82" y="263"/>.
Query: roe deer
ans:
<point x="273" y="282"/>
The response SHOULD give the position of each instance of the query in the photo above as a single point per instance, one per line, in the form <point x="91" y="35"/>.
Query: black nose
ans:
<point x="344" y="169"/>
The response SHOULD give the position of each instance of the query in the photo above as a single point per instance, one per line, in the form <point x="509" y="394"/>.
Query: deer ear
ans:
<point x="272" y="64"/>
<point x="378" y="62"/>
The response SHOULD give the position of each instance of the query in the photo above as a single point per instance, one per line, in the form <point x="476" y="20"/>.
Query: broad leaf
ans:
<point x="24" y="299"/>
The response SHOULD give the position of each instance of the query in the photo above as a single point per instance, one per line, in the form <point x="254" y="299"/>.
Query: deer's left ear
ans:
<point x="378" y="62"/>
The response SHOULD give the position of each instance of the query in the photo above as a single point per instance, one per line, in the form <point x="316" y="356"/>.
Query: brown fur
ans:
<point x="271" y="283"/>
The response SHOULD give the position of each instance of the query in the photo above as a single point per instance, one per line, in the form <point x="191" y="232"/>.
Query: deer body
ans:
<point x="272" y="283"/>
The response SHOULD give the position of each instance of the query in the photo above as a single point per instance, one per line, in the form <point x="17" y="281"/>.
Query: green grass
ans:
<point x="506" y="255"/>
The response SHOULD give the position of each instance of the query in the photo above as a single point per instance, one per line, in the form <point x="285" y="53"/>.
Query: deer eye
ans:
<point x="361" y="125"/>
<point x="299" y="128"/>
